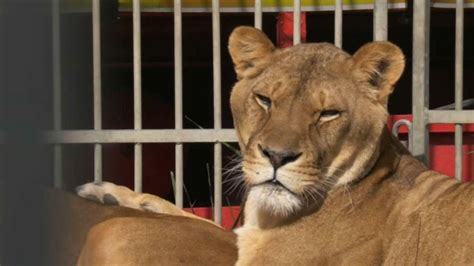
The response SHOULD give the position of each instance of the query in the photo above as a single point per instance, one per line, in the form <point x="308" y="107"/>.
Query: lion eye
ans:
<point x="264" y="101"/>
<point x="329" y="115"/>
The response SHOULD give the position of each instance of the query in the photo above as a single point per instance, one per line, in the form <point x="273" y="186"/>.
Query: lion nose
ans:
<point x="279" y="158"/>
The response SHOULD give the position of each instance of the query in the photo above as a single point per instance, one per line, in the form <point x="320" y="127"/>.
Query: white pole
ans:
<point x="178" y="91"/>
<point x="380" y="20"/>
<point x="338" y="24"/>
<point x="258" y="14"/>
<point x="216" y="55"/>
<point x="97" y="76"/>
<point x="137" y="92"/>
<point x="296" y="22"/>
<point x="57" y="90"/>
<point x="459" y="85"/>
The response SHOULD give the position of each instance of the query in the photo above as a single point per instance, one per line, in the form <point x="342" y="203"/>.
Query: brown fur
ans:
<point x="326" y="182"/>
<point x="166" y="240"/>
<point x="65" y="221"/>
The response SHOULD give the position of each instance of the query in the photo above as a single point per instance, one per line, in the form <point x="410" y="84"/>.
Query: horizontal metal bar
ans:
<point x="451" y="117"/>
<point x="465" y="104"/>
<point x="141" y="136"/>
<point x="309" y="6"/>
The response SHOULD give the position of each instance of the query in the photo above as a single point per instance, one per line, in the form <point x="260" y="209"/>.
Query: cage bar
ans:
<point x="97" y="86"/>
<point x="338" y="24"/>
<point x="178" y="100"/>
<point x="458" y="84"/>
<point x="420" y="78"/>
<point x="451" y="117"/>
<point x="380" y="20"/>
<point x="56" y="46"/>
<point x="296" y="22"/>
<point x="142" y="136"/>
<point x="137" y="93"/>
<point x="258" y="14"/>
<point x="216" y="55"/>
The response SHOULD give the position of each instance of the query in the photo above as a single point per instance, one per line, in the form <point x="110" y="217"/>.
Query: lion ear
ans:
<point x="250" y="50"/>
<point x="379" y="65"/>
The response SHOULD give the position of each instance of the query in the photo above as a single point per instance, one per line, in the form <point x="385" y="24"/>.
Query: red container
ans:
<point x="229" y="214"/>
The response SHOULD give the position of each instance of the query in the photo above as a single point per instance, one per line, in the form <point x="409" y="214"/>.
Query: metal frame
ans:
<point x="422" y="116"/>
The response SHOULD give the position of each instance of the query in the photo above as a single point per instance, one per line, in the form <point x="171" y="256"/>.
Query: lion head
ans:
<point x="309" y="118"/>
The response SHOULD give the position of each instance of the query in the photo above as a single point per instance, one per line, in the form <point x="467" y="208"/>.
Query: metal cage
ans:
<point x="422" y="115"/>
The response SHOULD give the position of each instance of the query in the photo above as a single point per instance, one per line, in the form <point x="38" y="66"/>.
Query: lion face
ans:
<point x="308" y="117"/>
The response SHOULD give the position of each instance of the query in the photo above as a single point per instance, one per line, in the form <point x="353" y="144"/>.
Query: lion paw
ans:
<point x="103" y="192"/>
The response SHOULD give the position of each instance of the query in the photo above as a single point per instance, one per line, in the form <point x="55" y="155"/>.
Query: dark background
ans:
<point x="26" y="95"/>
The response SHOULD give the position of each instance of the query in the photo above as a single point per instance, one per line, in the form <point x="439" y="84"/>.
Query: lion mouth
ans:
<point x="276" y="184"/>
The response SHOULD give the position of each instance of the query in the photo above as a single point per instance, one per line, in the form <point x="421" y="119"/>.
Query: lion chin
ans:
<point x="275" y="200"/>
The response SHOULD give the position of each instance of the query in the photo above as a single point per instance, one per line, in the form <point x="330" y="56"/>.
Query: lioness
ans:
<point x="326" y="182"/>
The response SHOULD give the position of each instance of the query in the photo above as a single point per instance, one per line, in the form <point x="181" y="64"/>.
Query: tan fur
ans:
<point x="166" y="240"/>
<point x="64" y="220"/>
<point x="346" y="192"/>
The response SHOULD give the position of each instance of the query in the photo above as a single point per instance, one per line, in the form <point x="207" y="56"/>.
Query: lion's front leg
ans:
<point x="111" y="194"/>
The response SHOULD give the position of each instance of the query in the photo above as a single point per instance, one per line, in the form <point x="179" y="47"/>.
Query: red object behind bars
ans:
<point x="442" y="147"/>
<point x="285" y="29"/>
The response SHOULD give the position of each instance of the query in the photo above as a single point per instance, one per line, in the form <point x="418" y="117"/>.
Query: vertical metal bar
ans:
<point x="178" y="100"/>
<point x="97" y="65"/>
<point x="338" y="24"/>
<point x="420" y="77"/>
<point x="137" y="92"/>
<point x="459" y="85"/>
<point x="57" y="90"/>
<point x="216" y="55"/>
<point x="258" y="14"/>
<point x="380" y="20"/>
<point x="296" y="22"/>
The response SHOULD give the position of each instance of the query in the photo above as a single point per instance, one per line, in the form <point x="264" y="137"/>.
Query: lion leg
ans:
<point x="111" y="194"/>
